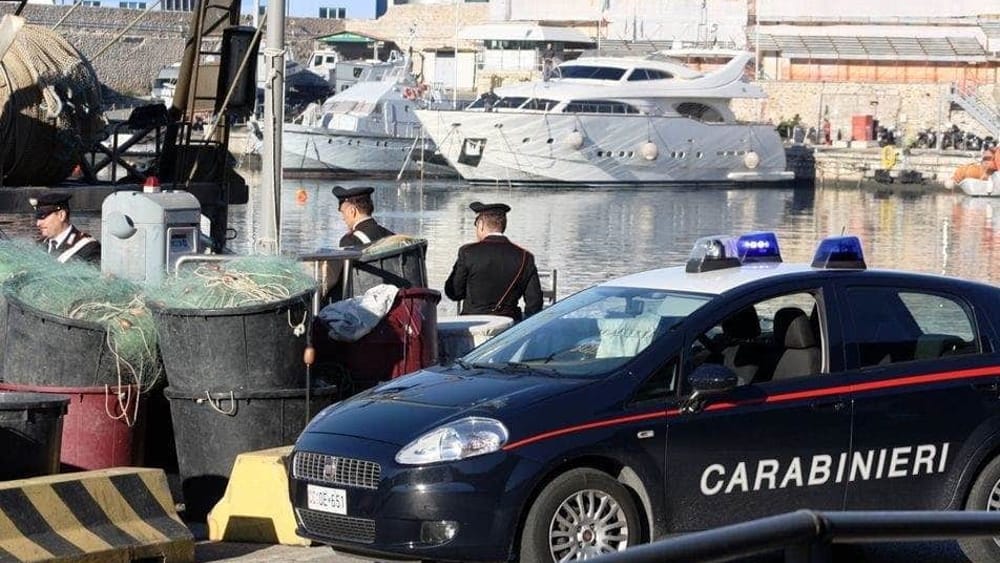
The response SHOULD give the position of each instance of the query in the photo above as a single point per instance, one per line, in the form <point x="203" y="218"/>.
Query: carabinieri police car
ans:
<point x="670" y="401"/>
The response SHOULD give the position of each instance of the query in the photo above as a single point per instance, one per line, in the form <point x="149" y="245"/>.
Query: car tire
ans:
<point x="596" y="515"/>
<point x="984" y="495"/>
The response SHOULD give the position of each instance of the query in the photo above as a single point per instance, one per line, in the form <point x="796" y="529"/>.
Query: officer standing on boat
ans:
<point x="356" y="208"/>
<point x="492" y="274"/>
<point x="59" y="236"/>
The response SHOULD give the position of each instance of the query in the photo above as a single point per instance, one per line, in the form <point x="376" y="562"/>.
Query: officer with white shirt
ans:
<point x="57" y="233"/>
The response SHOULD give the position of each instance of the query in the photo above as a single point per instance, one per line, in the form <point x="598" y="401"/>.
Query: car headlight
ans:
<point x="464" y="438"/>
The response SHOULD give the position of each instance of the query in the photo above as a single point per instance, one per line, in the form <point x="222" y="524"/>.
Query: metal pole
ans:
<point x="454" y="90"/>
<point x="757" y="61"/>
<point x="269" y="241"/>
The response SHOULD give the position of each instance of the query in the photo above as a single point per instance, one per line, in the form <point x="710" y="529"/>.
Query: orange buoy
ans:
<point x="301" y="196"/>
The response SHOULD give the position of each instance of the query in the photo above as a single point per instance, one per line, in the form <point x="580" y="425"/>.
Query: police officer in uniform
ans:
<point x="356" y="207"/>
<point x="491" y="275"/>
<point x="57" y="233"/>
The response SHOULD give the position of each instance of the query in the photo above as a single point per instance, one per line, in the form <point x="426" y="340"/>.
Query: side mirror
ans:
<point x="706" y="381"/>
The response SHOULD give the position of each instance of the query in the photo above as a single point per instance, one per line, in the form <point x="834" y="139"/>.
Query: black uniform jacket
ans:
<point x="369" y="229"/>
<point x="91" y="251"/>
<point x="491" y="276"/>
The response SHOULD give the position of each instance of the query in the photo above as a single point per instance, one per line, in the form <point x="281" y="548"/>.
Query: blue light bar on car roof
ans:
<point x="758" y="247"/>
<point x="843" y="252"/>
<point x="718" y="252"/>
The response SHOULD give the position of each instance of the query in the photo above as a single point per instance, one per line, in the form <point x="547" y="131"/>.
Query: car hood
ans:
<point x="403" y="409"/>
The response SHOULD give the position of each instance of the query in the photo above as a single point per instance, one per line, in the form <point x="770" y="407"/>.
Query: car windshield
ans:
<point x="589" y="334"/>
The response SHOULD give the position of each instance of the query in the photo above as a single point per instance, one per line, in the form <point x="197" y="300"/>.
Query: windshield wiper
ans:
<point x="462" y="364"/>
<point x="532" y="368"/>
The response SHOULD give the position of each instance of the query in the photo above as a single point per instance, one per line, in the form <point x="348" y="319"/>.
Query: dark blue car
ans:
<point x="671" y="401"/>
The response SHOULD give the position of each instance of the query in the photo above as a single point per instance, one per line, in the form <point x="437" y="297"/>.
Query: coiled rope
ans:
<point x="50" y="108"/>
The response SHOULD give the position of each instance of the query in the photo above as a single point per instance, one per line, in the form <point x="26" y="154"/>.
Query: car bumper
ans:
<point x="389" y="515"/>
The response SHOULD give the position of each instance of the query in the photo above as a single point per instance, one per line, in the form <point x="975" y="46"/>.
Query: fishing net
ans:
<point x="392" y="242"/>
<point x="50" y="101"/>
<point x="240" y="282"/>
<point x="76" y="290"/>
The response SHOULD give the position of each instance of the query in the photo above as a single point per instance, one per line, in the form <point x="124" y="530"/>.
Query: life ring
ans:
<point x="409" y="93"/>
<point x="888" y="157"/>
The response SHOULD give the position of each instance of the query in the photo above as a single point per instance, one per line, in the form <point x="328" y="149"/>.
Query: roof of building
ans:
<point x="901" y="43"/>
<point x="524" y="32"/>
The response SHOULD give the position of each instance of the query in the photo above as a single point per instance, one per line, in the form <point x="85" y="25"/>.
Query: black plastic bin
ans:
<point x="41" y="348"/>
<point x="211" y="429"/>
<point x="253" y="347"/>
<point x="30" y="433"/>
<point x="404" y="267"/>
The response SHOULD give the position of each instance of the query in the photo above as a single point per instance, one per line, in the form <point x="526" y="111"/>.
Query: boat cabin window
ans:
<point x="540" y="104"/>
<point x="590" y="72"/>
<point x="648" y="74"/>
<point x="599" y="106"/>
<point x="513" y="102"/>
<point x="701" y="112"/>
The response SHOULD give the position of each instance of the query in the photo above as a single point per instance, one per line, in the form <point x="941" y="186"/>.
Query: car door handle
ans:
<point x="835" y="406"/>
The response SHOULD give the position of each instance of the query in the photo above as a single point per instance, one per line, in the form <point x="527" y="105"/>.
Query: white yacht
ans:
<point x="369" y="128"/>
<point x="608" y="121"/>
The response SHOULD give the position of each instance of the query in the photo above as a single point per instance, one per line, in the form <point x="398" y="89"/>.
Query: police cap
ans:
<point x="479" y="207"/>
<point x="343" y="193"/>
<point x="49" y="202"/>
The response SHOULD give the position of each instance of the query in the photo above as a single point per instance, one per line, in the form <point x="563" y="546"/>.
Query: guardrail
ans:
<point x="806" y="536"/>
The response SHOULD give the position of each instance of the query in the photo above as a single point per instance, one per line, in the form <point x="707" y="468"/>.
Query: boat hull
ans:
<point x="318" y="150"/>
<point x="975" y="187"/>
<point x="594" y="149"/>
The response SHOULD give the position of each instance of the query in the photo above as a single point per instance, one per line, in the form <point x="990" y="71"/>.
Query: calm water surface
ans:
<point x="592" y="235"/>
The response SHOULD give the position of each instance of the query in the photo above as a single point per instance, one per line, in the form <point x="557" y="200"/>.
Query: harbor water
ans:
<point x="592" y="235"/>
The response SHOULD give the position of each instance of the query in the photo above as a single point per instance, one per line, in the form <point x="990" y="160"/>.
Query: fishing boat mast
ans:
<point x="269" y="233"/>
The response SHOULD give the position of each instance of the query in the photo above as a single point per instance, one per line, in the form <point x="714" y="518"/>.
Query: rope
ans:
<point x="76" y="5"/>
<point x="300" y="328"/>
<point x="218" y="407"/>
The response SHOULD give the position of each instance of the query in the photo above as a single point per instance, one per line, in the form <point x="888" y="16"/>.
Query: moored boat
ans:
<point x="608" y="121"/>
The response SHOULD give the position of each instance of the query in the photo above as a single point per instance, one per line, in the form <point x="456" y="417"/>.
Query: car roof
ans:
<point x="716" y="282"/>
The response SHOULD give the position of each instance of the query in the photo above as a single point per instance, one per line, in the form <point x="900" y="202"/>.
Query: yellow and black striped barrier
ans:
<point x="110" y="515"/>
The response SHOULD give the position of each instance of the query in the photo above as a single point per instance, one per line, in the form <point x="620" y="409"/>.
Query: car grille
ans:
<point x="341" y="470"/>
<point x="334" y="526"/>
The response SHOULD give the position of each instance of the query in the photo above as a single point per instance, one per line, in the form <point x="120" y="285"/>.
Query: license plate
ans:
<point x="326" y="499"/>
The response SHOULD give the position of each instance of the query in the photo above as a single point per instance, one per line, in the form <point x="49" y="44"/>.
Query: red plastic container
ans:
<point x="403" y="342"/>
<point x="102" y="428"/>
<point x="862" y="127"/>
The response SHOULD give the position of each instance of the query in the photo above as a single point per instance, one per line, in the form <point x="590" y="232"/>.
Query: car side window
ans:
<point x="773" y="339"/>
<point x="893" y="325"/>
<point x="659" y="385"/>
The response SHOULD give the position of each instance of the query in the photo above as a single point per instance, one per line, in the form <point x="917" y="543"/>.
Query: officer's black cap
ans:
<point x="343" y="193"/>
<point x="49" y="202"/>
<point x="493" y="207"/>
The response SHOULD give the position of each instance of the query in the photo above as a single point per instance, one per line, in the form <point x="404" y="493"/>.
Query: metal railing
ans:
<point x="807" y="535"/>
<point x="967" y="96"/>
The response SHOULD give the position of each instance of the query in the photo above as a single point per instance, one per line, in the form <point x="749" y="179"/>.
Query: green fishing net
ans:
<point x="239" y="282"/>
<point x="77" y="290"/>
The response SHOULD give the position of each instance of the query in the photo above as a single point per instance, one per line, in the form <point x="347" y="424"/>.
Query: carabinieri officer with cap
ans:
<point x="356" y="208"/>
<point x="491" y="275"/>
<point x="59" y="236"/>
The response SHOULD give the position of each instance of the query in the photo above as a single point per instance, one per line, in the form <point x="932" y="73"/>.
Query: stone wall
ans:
<point x="908" y="107"/>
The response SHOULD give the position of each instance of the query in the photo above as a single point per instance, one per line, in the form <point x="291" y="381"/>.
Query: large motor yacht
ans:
<point x="369" y="128"/>
<point x="608" y="121"/>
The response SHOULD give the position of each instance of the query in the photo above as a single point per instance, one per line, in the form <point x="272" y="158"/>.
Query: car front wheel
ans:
<point x="985" y="495"/>
<point x="581" y="514"/>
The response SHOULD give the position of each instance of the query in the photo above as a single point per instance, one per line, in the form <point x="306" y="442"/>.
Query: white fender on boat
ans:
<point x="751" y="160"/>
<point x="649" y="150"/>
<point x="574" y="140"/>
<point x="950" y="183"/>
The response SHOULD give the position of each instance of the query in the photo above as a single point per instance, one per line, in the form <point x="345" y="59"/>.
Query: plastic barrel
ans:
<point x="211" y="429"/>
<point x="402" y="342"/>
<point x="253" y="347"/>
<point x="30" y="434"/>
<point x="50" y="350"/>
<point x="104" y="426"/>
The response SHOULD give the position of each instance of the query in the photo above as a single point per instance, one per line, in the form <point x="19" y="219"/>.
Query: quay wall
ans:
<point x="849" y="164"/>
